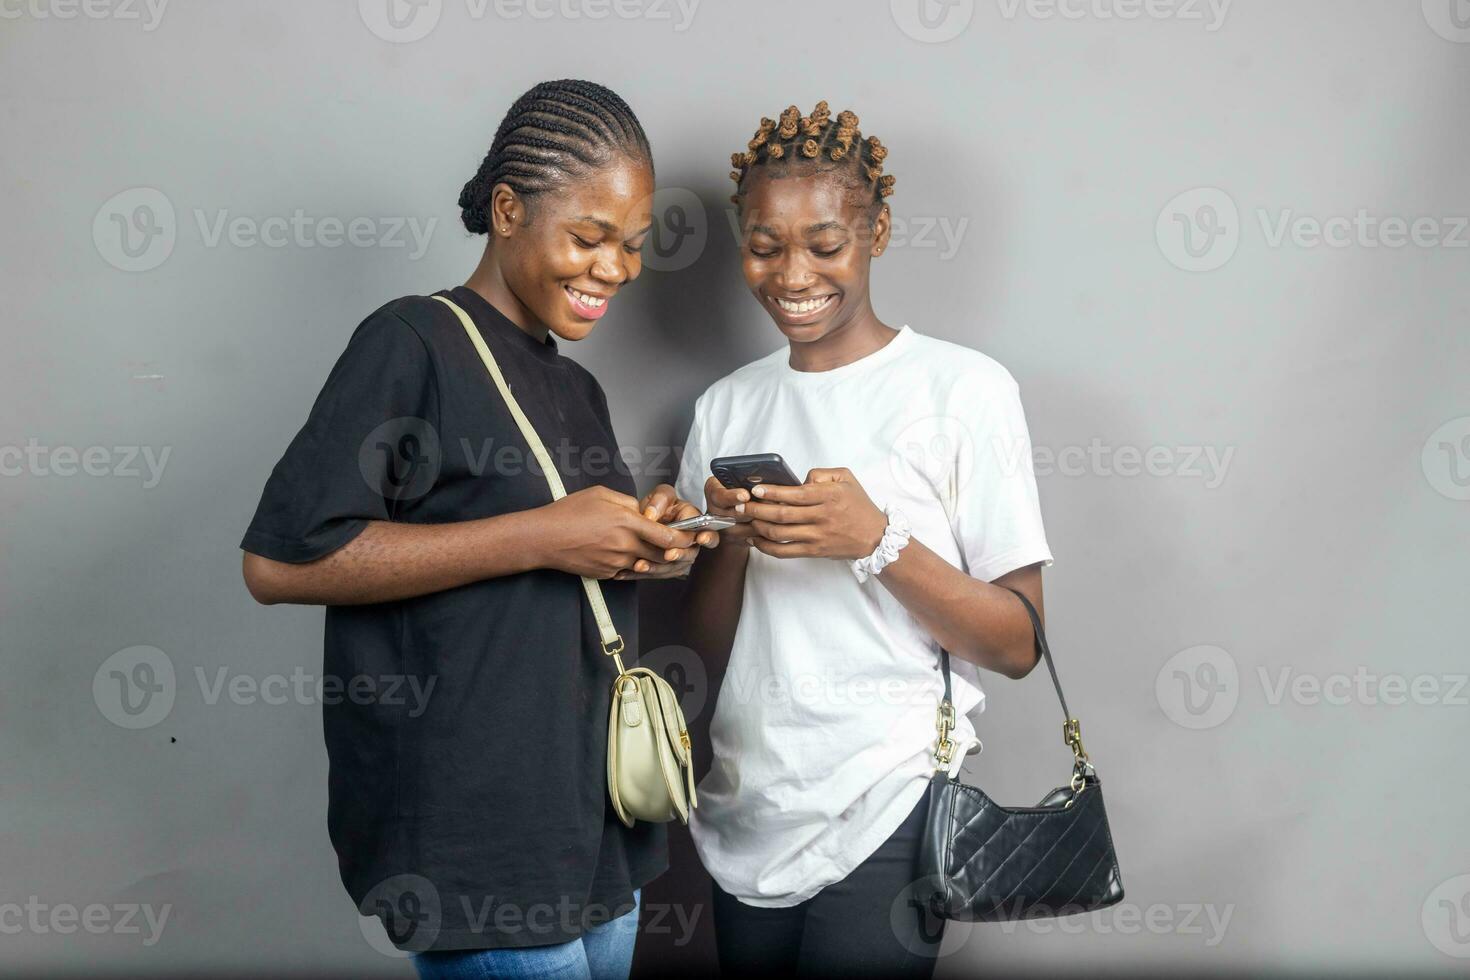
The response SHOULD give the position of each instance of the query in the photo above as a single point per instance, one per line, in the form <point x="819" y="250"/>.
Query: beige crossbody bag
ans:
<point x="650" y="767"/>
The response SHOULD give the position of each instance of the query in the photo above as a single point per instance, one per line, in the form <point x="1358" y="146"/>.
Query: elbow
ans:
<point x="1011" y="662"/>
<point x="1021" y="666"/>
<point x="1019" y="662"/>
<point x="261" y="579"/>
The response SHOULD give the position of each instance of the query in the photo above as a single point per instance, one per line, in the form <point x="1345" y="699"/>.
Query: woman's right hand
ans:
<point x="721" y="501"/>
<point x="599" y="532"/>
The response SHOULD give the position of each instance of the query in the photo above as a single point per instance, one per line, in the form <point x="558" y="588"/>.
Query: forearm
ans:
<point x="977" y="621"/>
<point x="390" y="561"/>
<point x="715" y="595"/>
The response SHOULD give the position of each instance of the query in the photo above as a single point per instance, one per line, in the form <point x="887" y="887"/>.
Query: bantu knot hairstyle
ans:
<point x="825" y="143"/>
<point x="553" y="134"/>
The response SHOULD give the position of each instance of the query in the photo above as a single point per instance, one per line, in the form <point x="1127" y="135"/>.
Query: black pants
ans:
<point x="864" y="925"/>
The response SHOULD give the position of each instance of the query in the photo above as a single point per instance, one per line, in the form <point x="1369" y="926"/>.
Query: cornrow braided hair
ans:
<point x="826" y="143"/>
<point x="552" y="134"/>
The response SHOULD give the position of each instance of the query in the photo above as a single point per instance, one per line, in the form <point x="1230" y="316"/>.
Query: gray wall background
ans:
<point x="1066" y="149"/>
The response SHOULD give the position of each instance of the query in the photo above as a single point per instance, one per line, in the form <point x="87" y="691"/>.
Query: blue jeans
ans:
<point x="604" y="952"/>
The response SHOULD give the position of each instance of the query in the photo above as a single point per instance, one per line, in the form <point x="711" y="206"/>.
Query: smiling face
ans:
<point x="809" y="242"/>
<point x="580" y="245"/>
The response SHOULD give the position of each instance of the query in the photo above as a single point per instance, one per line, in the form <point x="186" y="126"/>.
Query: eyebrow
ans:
<point x="807" y="231"/>
<point x="607" y="226"/>
<point x="602" y="223"/>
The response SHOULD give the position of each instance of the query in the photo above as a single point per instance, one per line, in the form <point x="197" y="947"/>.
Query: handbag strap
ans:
<point x="612" y="643"/>
<point x="945" y="720"/>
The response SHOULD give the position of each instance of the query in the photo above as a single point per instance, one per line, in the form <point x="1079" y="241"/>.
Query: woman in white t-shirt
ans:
<point x="918" y="504"/>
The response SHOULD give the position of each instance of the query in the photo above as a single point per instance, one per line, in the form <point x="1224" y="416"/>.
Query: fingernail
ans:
<point x="759" y="491"/>
<point x="741" y="495"/>
<point x="648" y="512"/>
<point x="642" y="566"/>
<point x="739" y="508"/>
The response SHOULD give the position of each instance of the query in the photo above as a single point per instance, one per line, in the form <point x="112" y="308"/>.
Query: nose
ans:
<point x="794" y="274"/>
<point x="611" y="266"/>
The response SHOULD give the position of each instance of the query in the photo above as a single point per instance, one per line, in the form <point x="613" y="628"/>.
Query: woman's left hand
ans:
<point x="828" y="516"/>
<point x="663" y="505"/>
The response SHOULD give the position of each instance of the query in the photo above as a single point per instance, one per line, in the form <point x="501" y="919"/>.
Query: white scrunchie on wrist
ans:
<point x="895" y="538"/>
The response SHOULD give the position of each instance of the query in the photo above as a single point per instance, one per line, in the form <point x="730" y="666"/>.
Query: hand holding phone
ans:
<point x="749" y="471"/>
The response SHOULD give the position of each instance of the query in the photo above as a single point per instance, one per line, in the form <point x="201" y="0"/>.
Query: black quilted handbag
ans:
<point x="983" y="862"/>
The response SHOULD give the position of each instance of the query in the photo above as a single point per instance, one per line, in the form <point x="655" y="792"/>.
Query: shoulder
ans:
<point x="422" y="317"/>
<point x="405" y="325"/>
<point x="385" y="344"/>
<point x="957" y="367"/>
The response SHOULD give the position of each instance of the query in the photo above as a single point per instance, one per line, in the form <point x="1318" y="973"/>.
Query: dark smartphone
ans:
<point x="746" y="471"/>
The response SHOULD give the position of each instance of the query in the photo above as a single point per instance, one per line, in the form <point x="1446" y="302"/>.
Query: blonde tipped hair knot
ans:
<point x="816" y="137"/>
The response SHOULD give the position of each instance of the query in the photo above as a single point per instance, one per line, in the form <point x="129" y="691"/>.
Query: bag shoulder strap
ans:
<point x="612" y="643"/>
<point x="1071" y="728"/>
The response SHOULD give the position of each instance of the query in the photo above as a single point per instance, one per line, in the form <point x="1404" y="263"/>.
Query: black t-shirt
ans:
<point x="467" y="729"/>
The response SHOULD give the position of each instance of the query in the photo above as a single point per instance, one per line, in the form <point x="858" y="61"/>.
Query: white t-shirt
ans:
<point x="824" y="729"/>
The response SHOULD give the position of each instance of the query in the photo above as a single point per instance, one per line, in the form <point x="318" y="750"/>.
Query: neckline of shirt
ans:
<point x="867" y="362"/>
<point x="489" y="321"/>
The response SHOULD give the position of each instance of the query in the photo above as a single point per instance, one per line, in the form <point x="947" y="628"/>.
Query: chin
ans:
<point x="804" y="333"/>
<point x="573" y="331"/>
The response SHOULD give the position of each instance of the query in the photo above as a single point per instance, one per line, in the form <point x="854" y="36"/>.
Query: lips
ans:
<point x="588" y="306"/>
<point x="803" y="309"/>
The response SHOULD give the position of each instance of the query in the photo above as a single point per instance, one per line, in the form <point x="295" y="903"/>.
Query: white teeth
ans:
<point x="803" y="306"/>
<point x="593" y="301"/>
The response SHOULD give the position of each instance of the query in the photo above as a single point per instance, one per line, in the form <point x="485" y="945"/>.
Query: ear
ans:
<point x="507" y="211"/>
<point x="882" y="230"/>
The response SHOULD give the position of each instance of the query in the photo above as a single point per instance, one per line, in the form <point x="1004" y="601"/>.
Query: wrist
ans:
<point x="877" y="527"/>
<point x="731" y="551"/>
<point x="521" y="542"/>
<point x="895" y="538"/>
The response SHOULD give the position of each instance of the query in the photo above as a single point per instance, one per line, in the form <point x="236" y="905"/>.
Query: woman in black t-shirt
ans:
<point x="465" y="692"/>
